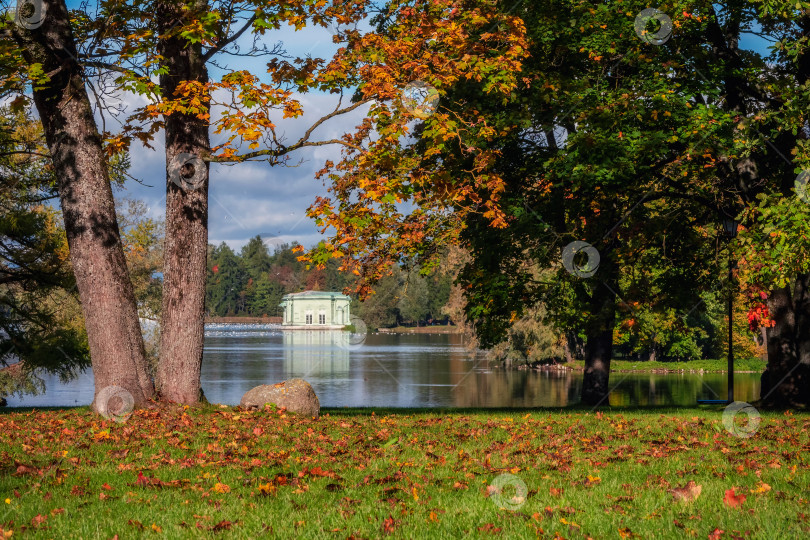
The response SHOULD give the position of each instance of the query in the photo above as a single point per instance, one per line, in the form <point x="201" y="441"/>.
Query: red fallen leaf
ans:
<point x="389" y="524"/>
<point x="38" y="519"/>
<point x="490" y="528"/>
<point x="716" y="534"/>
<point x="732" y="499"/>
<point x="57" y="511"/>
<point x="77" y="490"/>
<point x="317" y="471"/>
<point x="555" y="492"/>
<point x="106" y="486"/>
<point x="258" y="431"/>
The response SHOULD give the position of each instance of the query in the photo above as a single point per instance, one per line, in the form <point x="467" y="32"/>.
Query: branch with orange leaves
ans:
<point x="303" y="142"/>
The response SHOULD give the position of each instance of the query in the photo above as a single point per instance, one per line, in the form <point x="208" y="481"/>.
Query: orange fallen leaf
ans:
<point x="219" y="487"/>
<point x="761" y="488"/>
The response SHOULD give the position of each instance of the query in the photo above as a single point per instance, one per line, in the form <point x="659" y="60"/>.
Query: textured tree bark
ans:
<point x="599" y="343"/>
<point x="185" y="252"/>
<point x="107" y="298"/>
<point x="786" y="379"/>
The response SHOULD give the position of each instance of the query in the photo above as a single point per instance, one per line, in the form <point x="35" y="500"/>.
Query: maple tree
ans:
<point x="637" y="144"/>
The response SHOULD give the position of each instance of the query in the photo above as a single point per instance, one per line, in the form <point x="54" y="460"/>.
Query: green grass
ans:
<point x="740" y="365"/>
<point x="220" y="472"/>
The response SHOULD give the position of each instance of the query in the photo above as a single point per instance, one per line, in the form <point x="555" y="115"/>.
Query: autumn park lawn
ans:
<point x="221" y="472"/>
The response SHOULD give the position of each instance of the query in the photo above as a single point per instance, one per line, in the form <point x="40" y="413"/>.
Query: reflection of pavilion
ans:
<point x="315" y="352"/>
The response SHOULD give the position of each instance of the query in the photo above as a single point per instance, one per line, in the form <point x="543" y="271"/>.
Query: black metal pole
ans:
<point x="730" y="345"/>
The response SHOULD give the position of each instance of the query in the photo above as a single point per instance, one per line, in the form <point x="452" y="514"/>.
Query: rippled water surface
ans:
<point x="398" y="370"/>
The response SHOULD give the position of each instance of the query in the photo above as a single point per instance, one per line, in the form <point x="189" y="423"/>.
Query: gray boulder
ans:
<point x="295" y="395"/>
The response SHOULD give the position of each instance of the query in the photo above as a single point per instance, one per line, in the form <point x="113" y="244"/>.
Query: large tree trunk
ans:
<point x="182" y="323"/>
<point x="96" y="253"/>
<point x="786" y="379"/>
<point x="599" y="342"/>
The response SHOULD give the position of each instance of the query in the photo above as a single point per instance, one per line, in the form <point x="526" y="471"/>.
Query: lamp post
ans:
<point x="730" y="226"/>
<point x="730" y="229"/>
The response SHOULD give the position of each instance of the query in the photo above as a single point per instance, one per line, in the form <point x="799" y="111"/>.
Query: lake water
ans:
<point x="399" y="370"/>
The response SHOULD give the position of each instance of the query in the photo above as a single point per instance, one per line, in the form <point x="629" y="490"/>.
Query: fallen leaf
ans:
<point x="761" y="488"/>
<point x="222" y="488"/>
<point x="39" y="519"/>
<point x="716" y="534"/>
<point x="222" y="526"/>
<point x="389" y="524"/>
<point x="687" y="493"/>
<point x="732" y="499"/>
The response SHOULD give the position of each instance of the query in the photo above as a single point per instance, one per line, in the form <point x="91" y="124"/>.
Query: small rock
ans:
<point x="295" y="395"/>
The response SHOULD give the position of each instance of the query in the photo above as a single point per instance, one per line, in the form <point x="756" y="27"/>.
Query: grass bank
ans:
<point x="438" y="329"/>
<point x="753" y="365"/>
<point x="220" y="472"/>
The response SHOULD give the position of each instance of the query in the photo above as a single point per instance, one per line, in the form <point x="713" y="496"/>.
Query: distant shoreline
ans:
<point x="243" y="320"/>
<point x="437" y="329"/>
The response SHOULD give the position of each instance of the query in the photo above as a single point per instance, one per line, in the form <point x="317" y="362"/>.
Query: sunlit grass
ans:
<point x="716" y="365"/>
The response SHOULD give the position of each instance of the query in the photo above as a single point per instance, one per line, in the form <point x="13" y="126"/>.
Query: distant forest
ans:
<point x="252" y="282"/>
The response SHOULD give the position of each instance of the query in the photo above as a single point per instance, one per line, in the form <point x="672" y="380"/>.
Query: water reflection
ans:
<point x="315" y="353"/>
<point x="406" y="370"/>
